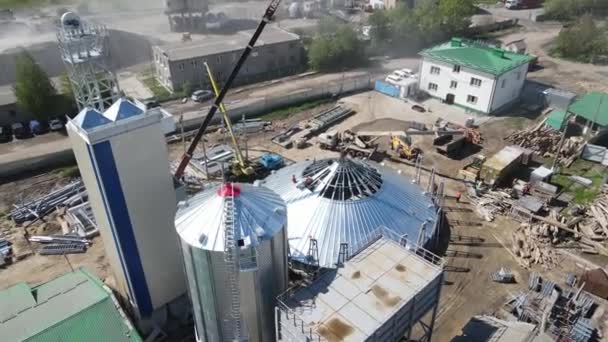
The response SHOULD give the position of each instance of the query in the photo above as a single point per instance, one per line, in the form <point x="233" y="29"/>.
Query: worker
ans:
<point x="458" y="195"/>
<point x="293" y="179"/>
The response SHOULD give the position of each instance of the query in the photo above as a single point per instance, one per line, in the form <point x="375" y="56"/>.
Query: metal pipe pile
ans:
<point x="5" y="251"/>
<point x="60" y="244"/>
<point x="68" y="195"/>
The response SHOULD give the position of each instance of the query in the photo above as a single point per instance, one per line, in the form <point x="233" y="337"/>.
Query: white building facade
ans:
<point x="476" y="77"/>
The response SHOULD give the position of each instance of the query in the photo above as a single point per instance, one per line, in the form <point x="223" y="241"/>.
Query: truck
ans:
<point x="519" y="4"/>
<point x="501" y="165"/>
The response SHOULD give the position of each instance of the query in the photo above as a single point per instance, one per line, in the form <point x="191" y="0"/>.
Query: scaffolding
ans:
<point x="85" y="52"/>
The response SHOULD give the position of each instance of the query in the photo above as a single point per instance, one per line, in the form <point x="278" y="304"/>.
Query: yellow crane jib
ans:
<point x="244" y="168"/>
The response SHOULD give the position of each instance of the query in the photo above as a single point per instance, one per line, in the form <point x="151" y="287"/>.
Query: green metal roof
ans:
<point x="476" y="56"/>
<point x="556" y="119"/>
<point x="72" y="307"/>
<point x="592" y="106"/>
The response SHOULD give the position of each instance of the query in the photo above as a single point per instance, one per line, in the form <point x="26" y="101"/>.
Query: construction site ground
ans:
<point x="475" y="249"/>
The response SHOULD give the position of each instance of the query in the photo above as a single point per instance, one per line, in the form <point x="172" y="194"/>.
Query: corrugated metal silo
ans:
<point x="233" y="290"/>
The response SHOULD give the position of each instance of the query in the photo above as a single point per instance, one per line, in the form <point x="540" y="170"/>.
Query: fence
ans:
<point x="269" y="103"/>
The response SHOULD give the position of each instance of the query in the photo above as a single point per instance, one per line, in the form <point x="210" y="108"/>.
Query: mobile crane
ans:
<point x="241" y="166"/>
<point x="266" y="18"/>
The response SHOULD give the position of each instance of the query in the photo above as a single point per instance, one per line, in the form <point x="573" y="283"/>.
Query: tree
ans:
<point x="380" y="30"/>
<point x="337" y="52"/>
<point x="583" y="41"/>
<point x="34" y="91"/>
<point x="456" y="15"/>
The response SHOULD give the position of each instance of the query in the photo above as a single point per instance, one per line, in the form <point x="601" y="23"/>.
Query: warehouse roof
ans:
<point x="477" y="56"/>
<point x="73" y="307"/>
<point x="221" y="44"/>
<point x="592" y="106"/>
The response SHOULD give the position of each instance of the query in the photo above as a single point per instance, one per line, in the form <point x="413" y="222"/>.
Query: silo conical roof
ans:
<point x="345" y="201"/>
<point x="258" y="212"/>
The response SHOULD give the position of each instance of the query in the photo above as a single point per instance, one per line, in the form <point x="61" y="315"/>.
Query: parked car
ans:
<point x="38" y="128"/>
<point x="56" y="125"/>
<point x="202" y="95"/>
<point x="152" y="104"/>
<point x="6" y="134"/>
<point x="21" y="131"/>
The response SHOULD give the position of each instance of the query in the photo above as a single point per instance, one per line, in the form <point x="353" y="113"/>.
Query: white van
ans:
<point x="393" y="79"/>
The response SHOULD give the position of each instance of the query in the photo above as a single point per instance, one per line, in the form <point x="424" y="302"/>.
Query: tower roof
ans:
<point x="122" y="109"/>
<point x="336" y="201"/>
<point x="89" y="118"/>
<point x="258" y="213"/>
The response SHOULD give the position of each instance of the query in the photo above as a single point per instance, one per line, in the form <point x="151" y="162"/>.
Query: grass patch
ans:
<point x="69" y="171"/>
<point x="582" y="195"/>
<point x="517" y="123"/>
<point x="285" y="112"/>
<point x="160" y="93"/>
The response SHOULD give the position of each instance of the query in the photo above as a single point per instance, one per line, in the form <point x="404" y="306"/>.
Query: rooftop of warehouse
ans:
<point x="73" y="307"/>
<point x="477" y="56"/>
<point x="213" y="45"/>
<point x="592" y="106"/>
<point x="354" y="302"/>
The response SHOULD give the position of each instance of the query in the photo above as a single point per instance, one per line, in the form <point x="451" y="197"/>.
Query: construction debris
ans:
<point x="532" y="244"/>
<point x="60" y="244"/>
<point x="69" y="195"/>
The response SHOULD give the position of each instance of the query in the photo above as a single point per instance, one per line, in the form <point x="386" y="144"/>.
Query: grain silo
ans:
<point x="335" y="205"/>
<point x="234" y="243"/>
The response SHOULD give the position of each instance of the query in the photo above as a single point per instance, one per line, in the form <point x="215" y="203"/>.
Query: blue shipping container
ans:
<point x="387" y="88"/>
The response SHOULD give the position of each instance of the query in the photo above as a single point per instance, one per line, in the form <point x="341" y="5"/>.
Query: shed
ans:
<point x="74" y="307"/>
<point x="501" y="164"/>
<point x="592" y="107"/>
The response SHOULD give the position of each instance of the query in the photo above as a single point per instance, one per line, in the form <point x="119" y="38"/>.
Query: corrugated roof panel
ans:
<point x="477" y="56"/>
<point x="14" y="300"/>
<point x="592" y="106"/>
<point x="344" y="201"/>
<point x="122" y="109"/>
<point x="259" y="215"/>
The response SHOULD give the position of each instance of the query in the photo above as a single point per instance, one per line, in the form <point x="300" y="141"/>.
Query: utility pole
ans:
<point x="181" y="127"/>
<point x="597" y="112"/>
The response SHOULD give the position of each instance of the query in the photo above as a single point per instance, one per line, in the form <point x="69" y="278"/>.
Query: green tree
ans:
<point x="336" y="52"/>
<point x="66" y="85"/>
<point x="583" y="41"/>
<point x="380" y="31"/>
<point x="456" y="15"/>
<point x="34" y="91"/>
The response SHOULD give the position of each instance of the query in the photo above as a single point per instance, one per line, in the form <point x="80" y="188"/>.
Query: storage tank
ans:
<point x="234" y="243"/>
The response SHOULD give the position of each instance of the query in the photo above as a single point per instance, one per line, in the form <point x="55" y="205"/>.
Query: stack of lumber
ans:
<point x="544" y="140"/>
<point x="490" y="203"/>
<point x="595" y="223"/>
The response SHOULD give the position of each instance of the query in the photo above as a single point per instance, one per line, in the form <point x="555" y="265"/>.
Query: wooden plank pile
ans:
<point x="489" y="203"/>
<point x="544" y="141"/>
<point x="532" y="244"/>
<point x="594" y="224"/>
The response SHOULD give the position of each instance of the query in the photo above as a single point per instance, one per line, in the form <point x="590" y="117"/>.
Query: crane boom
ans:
<point x="268" y="14"/>
<point x="237" y="149"/>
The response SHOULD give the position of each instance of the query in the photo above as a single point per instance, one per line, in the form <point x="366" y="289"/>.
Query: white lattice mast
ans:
<point x="85" y="53"/>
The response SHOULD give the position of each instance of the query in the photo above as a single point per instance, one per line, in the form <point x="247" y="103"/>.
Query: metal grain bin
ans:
<point x="234" y="243"/>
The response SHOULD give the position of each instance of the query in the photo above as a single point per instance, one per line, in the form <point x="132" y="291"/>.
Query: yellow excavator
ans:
<point x="241" y="166"/>
<point x="403" y="147"/>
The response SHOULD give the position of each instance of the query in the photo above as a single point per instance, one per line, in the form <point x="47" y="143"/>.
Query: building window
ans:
<point x="504" y="83"/>
<point x="472" y="99"/>
<point x="195" y="63"/>
<point x="292" y="45"/>
<point x="219" y="59"/>
<point x="433" y="87"/>
<point x="181" y="66"/>
<point x="435" y="70"/>
<point x="518" y="76"/>
<point x="475" y="82"/>
<point x="456" y="69"/>
<point x="453" y="84"/>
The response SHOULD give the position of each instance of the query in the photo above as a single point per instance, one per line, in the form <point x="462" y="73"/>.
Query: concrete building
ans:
<point x="472" y="75"/>
<point x="277" y="53"/>
<point x="76" y="306"/>
<point x="123" y="160"/>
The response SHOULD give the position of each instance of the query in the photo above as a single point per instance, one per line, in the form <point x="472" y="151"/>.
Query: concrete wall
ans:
<point x="509" y="86"/>
<point x="266" y="62"/>
<point x="463" y="89"/>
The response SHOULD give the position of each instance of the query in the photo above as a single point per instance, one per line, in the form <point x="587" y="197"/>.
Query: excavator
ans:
<point x="266" y="18"/>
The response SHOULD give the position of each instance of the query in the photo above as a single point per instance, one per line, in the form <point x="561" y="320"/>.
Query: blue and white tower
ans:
<point x="123" y="159"/>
